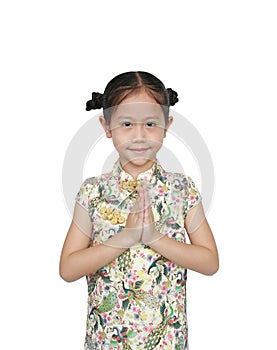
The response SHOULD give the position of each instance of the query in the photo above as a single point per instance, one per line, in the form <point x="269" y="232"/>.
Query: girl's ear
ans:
<point x="105" y="126"/>
<point x="170" y="120"/>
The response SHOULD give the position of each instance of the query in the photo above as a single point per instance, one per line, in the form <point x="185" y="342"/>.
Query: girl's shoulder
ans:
<point x="96" y="180"/>
<point x="182" y="183"/>
<point x="183" y="178"/>
<point x="92" y="188"/>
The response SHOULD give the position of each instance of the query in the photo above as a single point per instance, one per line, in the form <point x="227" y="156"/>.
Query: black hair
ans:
<point x="125" y="84"/>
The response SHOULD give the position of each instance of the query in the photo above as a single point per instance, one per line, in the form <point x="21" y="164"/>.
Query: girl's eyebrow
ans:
<point x="124" y="117"/>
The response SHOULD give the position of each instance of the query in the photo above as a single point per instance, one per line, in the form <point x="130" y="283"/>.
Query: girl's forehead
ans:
<point x="137" y="109"/>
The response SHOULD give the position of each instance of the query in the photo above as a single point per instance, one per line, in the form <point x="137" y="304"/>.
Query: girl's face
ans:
<point x="137" y="129"/>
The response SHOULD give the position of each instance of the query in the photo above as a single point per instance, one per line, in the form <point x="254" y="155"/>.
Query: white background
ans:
<point x="221" y="58"/>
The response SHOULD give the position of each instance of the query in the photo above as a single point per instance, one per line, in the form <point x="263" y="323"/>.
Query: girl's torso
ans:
<point x="138" y="301"/>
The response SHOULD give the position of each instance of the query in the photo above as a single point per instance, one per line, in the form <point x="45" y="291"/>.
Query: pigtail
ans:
<point x="96" y="101"/>
<point x="173" y="96"/>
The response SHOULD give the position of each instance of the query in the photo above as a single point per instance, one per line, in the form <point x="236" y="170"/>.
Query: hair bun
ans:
<point x="173" y="96"/>
<point x="96" y="101"/>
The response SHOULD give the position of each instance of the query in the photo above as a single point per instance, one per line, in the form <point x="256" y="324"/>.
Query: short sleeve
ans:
<point x="86" y="192"/>
<point x="82" y="219"/>
<point x="193" y="196"/>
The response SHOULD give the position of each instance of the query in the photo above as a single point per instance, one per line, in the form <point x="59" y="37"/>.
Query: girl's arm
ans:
<point x="78" y="258"/>
<point x="201" y="255"/>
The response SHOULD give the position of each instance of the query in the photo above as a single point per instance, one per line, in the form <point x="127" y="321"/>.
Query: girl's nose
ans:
<point x="139" y="131"/>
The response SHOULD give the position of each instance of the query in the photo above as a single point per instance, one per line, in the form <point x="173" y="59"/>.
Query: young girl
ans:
<point x="127" y="235"/>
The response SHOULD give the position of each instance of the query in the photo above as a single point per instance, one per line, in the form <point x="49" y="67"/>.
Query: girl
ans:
<point x="127" y="235"/>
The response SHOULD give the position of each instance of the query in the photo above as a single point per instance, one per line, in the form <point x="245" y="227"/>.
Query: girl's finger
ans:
<point x="146" y="198"/>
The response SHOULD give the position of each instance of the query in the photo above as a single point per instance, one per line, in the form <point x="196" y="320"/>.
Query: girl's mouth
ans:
<point x="138" y="150"/>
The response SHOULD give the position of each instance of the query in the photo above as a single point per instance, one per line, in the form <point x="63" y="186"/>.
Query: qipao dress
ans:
<point x="138" y="301"/>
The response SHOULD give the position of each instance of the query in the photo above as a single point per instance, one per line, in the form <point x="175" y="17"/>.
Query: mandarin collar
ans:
<point x="149" y="176"/>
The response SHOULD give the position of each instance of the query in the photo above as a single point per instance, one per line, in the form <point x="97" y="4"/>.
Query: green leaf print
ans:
<point x="180" y="345"/>
<point x="138" y="284"/>
<point x="101" y="320"/>
<point x="165" y="270"/>
<point x="176" y="325"/>
<point x="162" y="309"/>
<point x="131" y="334"/>
<point x="175" y="226"/>
<point x="159" y="175"/>
<point x="159" y="208"/>
<point x="159" y="278"/>
<point x="109" y="303"/>
<point x="101" y="189"/>
<point x="92" y="284"/>
<point x="114" y="343"/>
<point x="125" y="304"/>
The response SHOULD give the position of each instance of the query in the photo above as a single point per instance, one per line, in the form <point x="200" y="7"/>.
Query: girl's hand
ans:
<point x="134" y="222"/>
<point x="140" y="225"/>
<point x="132" y="232"/>
<point x="149" y="232"/>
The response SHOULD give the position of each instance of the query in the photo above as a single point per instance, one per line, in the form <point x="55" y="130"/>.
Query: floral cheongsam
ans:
<point x="138" y="301"/>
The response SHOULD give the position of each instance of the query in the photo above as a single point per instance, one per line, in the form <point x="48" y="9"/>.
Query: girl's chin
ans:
<point x="140" y="161"/>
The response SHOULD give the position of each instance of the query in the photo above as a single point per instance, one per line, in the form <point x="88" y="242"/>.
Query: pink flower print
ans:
<point x="164" y="288"/>
<point x="160" y="189"/>
<point x="144" y="338"/>
<point x="122" y="296"/>
<point x="134" y="309"/>
<point x="134" y="278"/>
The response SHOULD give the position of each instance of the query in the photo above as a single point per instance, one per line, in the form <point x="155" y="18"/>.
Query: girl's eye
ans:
<point x="150" y="124"/>
<point x="127" y="124"/>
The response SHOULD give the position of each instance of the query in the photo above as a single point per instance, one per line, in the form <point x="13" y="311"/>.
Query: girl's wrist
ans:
<point x="154" y="239"/>
<point x="124" y="239"/>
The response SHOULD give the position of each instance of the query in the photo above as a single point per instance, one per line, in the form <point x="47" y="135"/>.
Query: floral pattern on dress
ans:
<point x="138" y="301"/>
